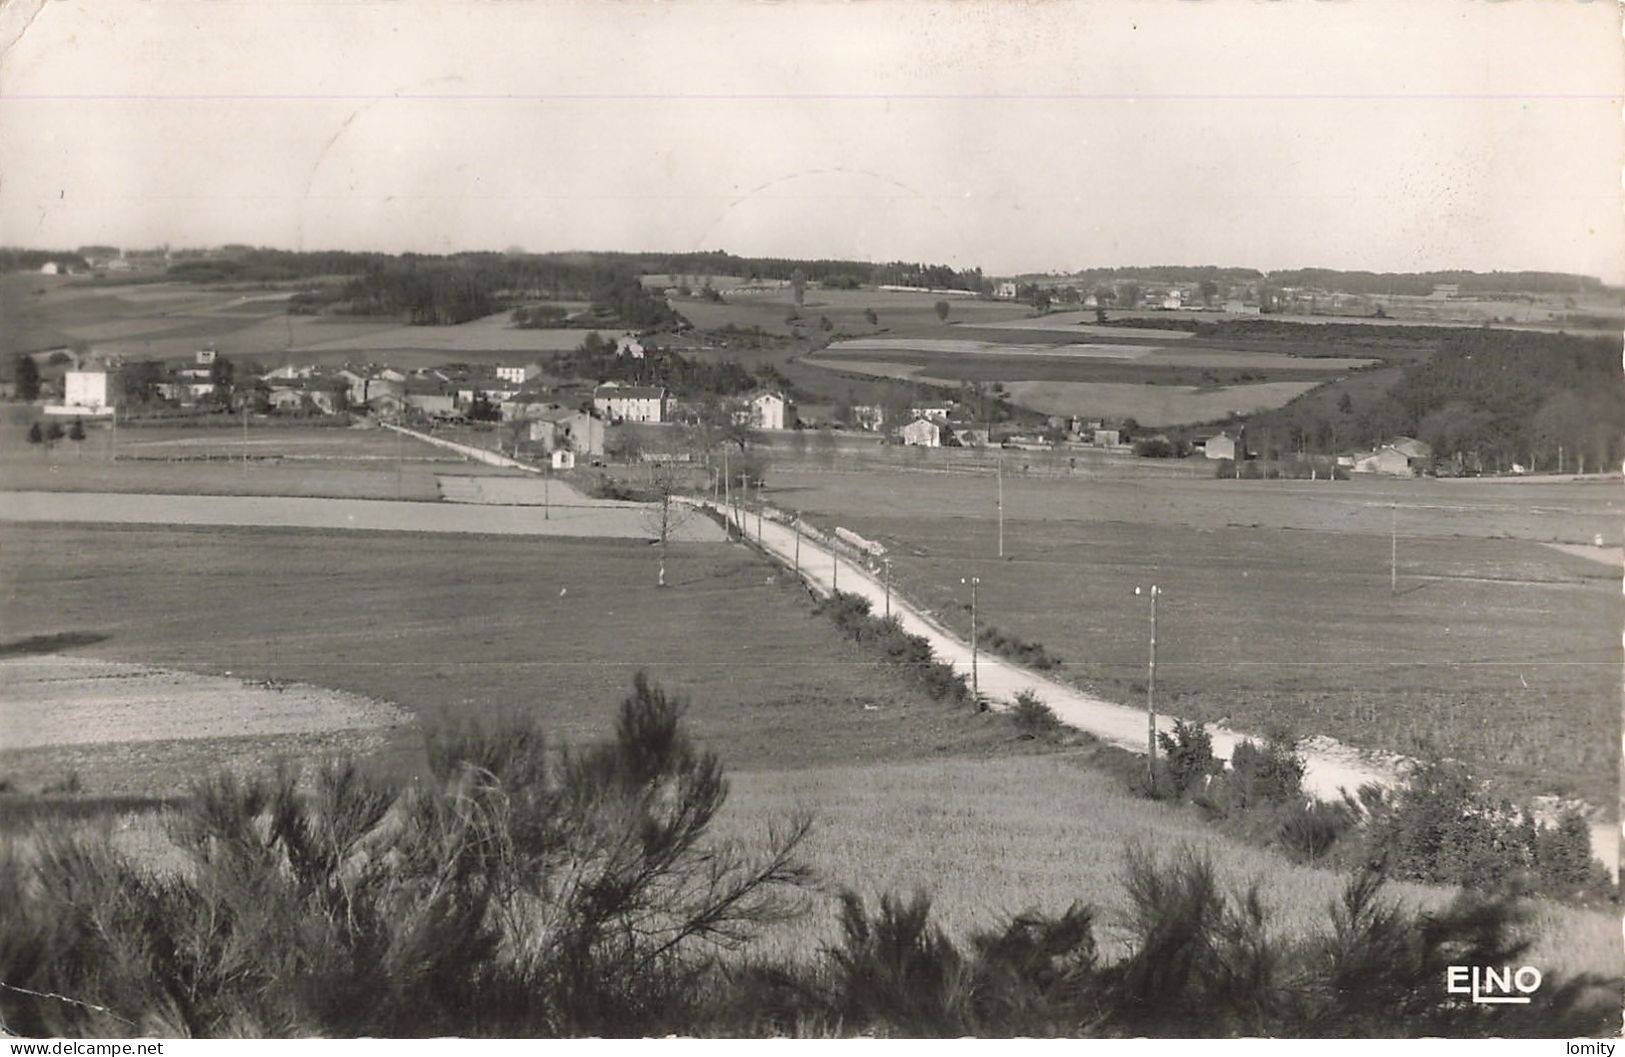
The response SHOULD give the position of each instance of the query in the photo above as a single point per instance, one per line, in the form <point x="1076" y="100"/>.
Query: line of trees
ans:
<point x="1486" y="399"/>
<point x="595" y="359"/>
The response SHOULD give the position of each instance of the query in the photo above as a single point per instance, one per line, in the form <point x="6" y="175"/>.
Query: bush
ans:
<point x="1033" y="718"/>
<point x="1271" y="773"/>
<point x="1309" y="832"/>
<point x="516" y="891"/>
<point x="1201" y="962"/>
<point x="851" y="613"/>
<point x="1187" y="755"/>
<point x="1442" y="828"/>
<point x="1015" y="648"/>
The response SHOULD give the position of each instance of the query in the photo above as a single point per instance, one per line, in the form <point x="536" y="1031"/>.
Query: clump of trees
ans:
<point x="27" y="377"/>
<point x="595" y="358"/>
<point x="1439" y="827"/>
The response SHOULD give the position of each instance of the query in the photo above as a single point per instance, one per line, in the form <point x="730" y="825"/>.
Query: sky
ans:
<point x="1013" y="136"/>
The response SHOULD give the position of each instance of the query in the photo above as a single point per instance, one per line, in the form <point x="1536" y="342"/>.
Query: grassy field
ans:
<point x="475" y="624"/>
<point x="1498" y="651"/>
<point x="170" y="321"/>
<point x="908" y="793"/>
<point x="198" y="460"/>
<point x="991" y="838"/>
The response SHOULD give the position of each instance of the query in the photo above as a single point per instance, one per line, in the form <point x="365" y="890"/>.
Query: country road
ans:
<point x="1329" y="765"/>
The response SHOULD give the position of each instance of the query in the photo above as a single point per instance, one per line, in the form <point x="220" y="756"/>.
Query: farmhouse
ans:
<point x="432" y="403"/>
<point x="90" y="390"/>
<point x="519" y="375"/>
<point x="630" y="403"/>
<point x="1005" y="291"/>
<point x="767" y="410"/>
<point x="563" y="429"/>
<point x="921" y="433"/>
<point x="287" y="399"/>
<point x="1400" y="457"/>
<point x="1223" y="446"/>
<point x="1106" y="438"/>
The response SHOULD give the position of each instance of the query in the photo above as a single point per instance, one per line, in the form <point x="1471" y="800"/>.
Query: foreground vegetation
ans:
<point x="524" y="889"/>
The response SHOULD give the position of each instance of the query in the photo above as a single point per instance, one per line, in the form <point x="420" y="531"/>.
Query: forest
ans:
<point x="1485" y="400"/>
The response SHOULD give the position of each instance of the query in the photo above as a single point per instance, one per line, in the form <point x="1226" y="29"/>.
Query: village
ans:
<point x="520" y="412"/>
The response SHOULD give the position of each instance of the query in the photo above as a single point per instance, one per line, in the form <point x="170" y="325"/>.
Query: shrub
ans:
<point x="1012" y="646"/>
<point x="1033" y="718"/>
<point x="1441" y="828"/>
<point x="1187" y="754"/>
<point x="899" y="970"/>
<point x="851" y="613"/>
<point x="1271" y="773"/>
<point x="1308" y="832"/>
<point x="516" y="891"/>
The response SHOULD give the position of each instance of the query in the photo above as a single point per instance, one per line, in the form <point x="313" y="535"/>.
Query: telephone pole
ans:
<point x="1151" y="690"/>
<point x="727" y="497"/>
<point x="1393" y="549"/>
<point x="975" y="658"/>
<point x="1000" y="475"/>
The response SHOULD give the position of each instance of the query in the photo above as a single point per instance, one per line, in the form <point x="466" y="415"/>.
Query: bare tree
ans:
<point x="666" y="514"/>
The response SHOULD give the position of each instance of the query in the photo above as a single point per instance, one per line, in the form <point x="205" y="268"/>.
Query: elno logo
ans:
<point x="1488" y="985"/>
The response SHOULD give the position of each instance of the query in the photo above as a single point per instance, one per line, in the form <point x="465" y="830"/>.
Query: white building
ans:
<point x="921" y="433"/>
<point x="519" y="375"/>
<point x="767" y="411"/>
<point x="1005" y="291"/>
<point x="206" y="356"/>
<point x="629" y="345"/>
<point x="630" y="403"/>
<point x="1225" y="446"/>
<point x="88" y="389"/>
<point x="49" y="268"/>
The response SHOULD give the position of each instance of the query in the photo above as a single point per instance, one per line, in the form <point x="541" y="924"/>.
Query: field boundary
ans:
<point x="477" y="454"/>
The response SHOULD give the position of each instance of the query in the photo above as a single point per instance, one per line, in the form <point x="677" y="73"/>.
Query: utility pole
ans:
<point x="245" y="438"/>
<point x="1000" y="475"/>
<point x="759" y="503"/>
<point x="1560" y="458"/>
<point x="1393" y="549"/>
<point x="975" y="682"/>
<point x="727" y="497"/>
<point x="547" y="498"/>
<point x="1151" y="690"/>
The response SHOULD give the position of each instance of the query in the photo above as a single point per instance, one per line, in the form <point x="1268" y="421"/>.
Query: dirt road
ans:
<point x="1330" y="765"/>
